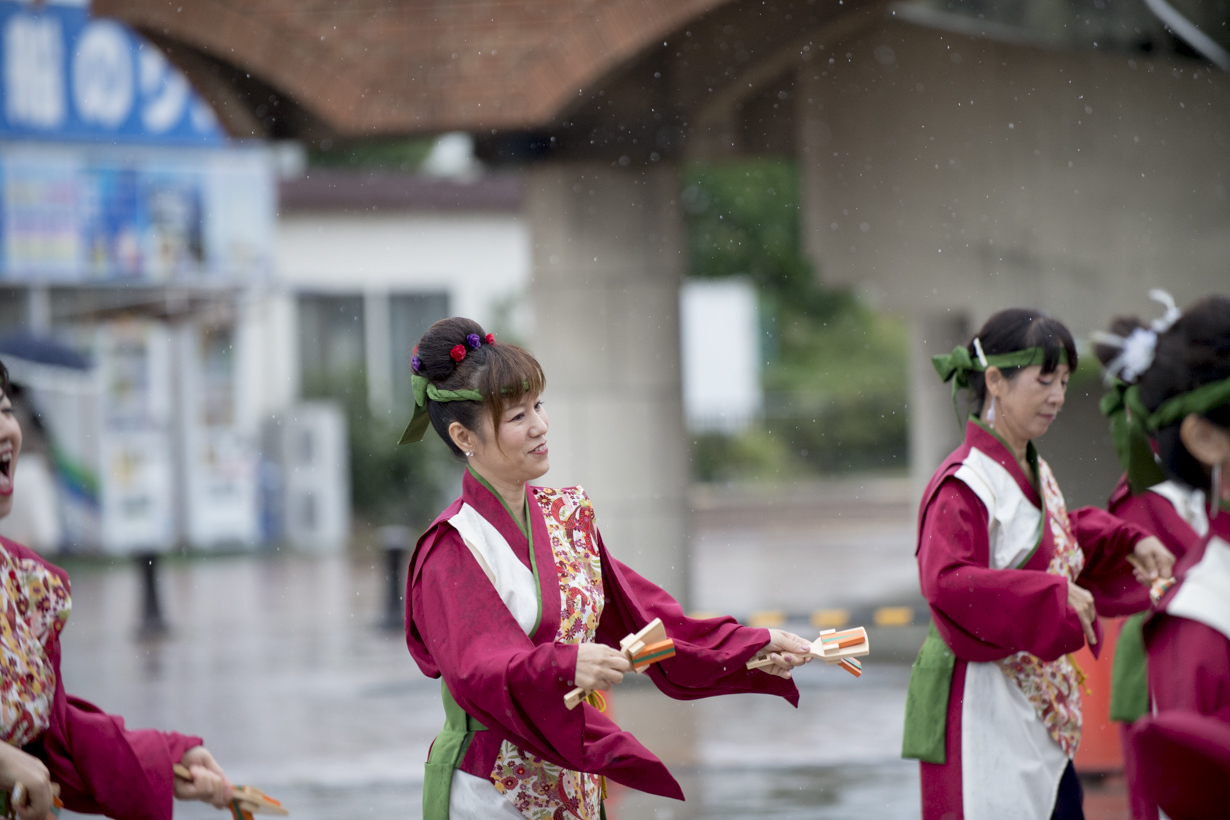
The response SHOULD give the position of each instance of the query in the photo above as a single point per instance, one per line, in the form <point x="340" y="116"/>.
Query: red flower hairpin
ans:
<point x="458" y="352"/>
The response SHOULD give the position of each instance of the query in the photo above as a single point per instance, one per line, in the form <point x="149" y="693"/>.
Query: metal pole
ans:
<point x="394" y="541"/>
<point x="153" y="625"/>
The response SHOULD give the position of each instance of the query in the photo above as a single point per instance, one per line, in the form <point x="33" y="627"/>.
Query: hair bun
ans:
<point x="1123" y="327"/>
<point x="436" y="356"/>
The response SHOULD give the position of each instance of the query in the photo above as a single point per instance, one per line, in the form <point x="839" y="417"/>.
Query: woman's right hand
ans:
<point x="16" y="767"/>
<point x="1081" y="600"/>
<point x="599" y="667"/>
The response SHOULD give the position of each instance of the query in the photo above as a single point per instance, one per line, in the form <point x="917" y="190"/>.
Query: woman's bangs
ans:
<point x="1055" y="340"/>
<point x="512" y="375"/>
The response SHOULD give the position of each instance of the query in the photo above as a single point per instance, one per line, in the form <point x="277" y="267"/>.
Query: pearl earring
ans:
<point x="991" y="414"/>
<point x="469" y="454"/>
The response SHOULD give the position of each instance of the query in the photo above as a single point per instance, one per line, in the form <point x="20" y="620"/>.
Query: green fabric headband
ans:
<point x="424" y="390"/>
<point x="957" y="366"/>
<point x="1122" y="406"/>
<point x="1132" y="425"/>
<point x="1204" y="398"/>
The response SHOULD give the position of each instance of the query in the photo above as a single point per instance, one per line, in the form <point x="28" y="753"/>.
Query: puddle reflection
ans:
<point x="276" y="662"/>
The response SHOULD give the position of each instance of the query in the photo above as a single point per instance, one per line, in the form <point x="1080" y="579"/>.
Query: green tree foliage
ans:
<point x="834" y="371"/>
<point x="373" y="155"/>
<point x="388" y="484"/>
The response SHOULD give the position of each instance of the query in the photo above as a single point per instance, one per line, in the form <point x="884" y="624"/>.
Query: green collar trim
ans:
<point x="527" y="530"/>
<point x="424" y="390"/>
<point x="1031" y="455"/>
<point x="521" y="522"/>
<point x="957" y="366"/>
<point x="1035" y="481"/>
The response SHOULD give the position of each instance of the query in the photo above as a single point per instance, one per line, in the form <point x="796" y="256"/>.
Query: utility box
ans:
<point x="309" y="449"/>
<point x="218" y="459"/>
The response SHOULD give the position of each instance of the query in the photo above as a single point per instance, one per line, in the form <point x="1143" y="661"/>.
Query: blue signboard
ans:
<point x="70" y="214"/>
<point x="65" y="75"/>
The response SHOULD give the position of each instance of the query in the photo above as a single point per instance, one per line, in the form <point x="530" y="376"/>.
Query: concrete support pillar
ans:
<point x="608" y="260"/>
<point x="38" y="309"/>
<point x="378" y="352"/>
<point x="934" y="430"/>
<point x="269" y="330"/>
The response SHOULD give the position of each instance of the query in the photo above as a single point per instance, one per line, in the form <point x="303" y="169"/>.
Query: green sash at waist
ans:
<point x="926" y="700"/>
<point x="446" y="754"/>
<point x="1129" y="683"/>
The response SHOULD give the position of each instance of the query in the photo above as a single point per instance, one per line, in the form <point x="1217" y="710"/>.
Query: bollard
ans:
<point x="153" y="625"/>
<point x="393" y="541"/>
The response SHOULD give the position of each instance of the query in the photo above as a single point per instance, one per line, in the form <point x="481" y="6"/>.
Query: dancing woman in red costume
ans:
<point x="49" y="736"/>
<point x="1181" y="400"/>
<point x="1014" y="581"/>
<point x="514" y="599"/>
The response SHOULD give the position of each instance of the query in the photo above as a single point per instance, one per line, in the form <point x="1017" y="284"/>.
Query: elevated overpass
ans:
<point x="949" y="170"/>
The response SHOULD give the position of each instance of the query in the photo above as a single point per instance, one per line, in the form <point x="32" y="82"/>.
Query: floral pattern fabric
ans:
<point x="1052" y="686"/>
<point x="36" y="604"/>
<point x="541" y="790"/>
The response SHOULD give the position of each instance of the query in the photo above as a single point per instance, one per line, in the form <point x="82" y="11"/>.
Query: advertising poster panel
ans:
<point x="72" y="215"/>
<point x="138" y="504"/>
<point x="222" y="494"/>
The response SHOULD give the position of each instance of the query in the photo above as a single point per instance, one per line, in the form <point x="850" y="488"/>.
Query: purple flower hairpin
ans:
<point x="474" y="340"/>
<point x="416" y="363"/>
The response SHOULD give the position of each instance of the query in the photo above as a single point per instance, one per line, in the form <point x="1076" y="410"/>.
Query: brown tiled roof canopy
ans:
<point x="369" y="67"/>
<point x="334" y="189"/>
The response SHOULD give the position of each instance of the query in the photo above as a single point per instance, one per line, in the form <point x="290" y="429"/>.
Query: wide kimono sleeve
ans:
<point x="710" y="653"/>
<point x="1155" y="515"/>
<point x="1107" y="540"/>
<point x="985" y="614"/>
<point x="1189" y="666"/>
<point x="510" y="685"/>
<point x="103" y="767"/>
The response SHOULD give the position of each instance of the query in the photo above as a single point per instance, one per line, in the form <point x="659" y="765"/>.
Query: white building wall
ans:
<point x="719" y="324"/>
<point x="480" y="260"/>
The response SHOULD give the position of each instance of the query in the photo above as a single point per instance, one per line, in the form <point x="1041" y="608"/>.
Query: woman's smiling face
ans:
<point x="10" y="449"/>
<point x="518" y="452"/>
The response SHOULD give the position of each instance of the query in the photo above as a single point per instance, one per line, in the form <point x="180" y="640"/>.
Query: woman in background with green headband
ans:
<point x="1178" y="398"/>
<point x="1169" y="509"/>
<point x="1011" y="577"/>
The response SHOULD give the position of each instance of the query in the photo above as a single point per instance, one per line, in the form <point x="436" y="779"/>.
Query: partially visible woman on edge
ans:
<point x="1012" y="579"/>
<point x="52" y="737"/>
<point x="1181" y="400"/>
<point x="1144" y="496"/>
<point x="513" y="598"/>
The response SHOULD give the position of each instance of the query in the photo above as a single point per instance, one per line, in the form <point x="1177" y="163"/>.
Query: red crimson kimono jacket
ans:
<point x="1178" y="518"/>
<point x="1017" y="613"/>
<point x="101" y="767"/>
<point x="1163" y="512"/>
<point x="458" y="628"/>
<point x="1182" y="751"/>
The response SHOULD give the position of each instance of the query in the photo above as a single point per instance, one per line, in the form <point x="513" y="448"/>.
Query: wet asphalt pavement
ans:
<point x="275" y="659"/>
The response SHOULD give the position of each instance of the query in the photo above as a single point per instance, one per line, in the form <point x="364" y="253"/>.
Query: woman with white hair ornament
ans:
<point x="1014" y="582"/>
<point x="1180" y="761"/>
<point x="1174" y="512"/>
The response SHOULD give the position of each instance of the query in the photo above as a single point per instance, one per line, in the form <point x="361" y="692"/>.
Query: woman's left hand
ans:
<point x="1155" y="561"/>
<point x="781" y="647"/>
<point x="208" y="784"/>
